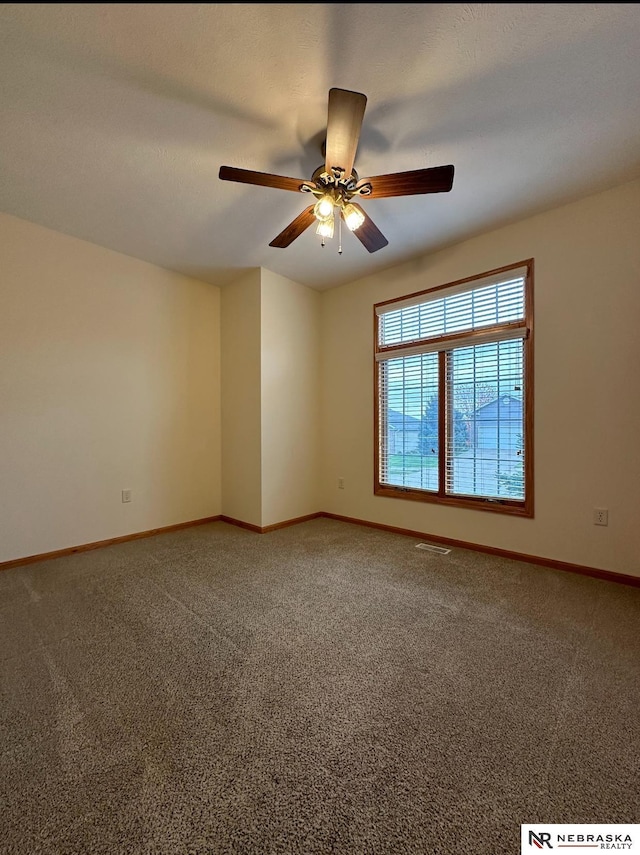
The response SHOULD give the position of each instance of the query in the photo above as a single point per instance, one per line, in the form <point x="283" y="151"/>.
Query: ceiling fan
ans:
<point x="336" y="185"/>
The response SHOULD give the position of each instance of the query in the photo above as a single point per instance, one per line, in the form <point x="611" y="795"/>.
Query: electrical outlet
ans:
<point x="600" y="516"/>
<point x="340" y="483"/>
<point x="126" y="495"/>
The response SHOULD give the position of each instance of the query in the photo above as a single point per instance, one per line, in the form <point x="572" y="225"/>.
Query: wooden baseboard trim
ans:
<point x="554" y="564"/>
<point x="98" y="544"/>
<point x="267" y="528"/>
<point x="294" y="521"/>
<point x="241" y="524"/>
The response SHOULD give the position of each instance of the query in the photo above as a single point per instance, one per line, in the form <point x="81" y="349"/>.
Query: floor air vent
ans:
<point x="430" y="548"/>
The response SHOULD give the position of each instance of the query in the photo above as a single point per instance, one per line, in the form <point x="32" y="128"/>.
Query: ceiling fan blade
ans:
<point x="263" y="179"/>
<point x="437" y="179"/>
<point x="346" y="112"/>
<point x="295" y="228"/>
<point x="368" y="233"/>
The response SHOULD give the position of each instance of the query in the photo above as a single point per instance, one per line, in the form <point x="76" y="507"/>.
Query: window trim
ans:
<point x="504" y="506"/>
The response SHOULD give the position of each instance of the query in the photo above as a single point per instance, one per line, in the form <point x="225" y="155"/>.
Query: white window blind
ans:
<point x="485" y="430"/>
<point x="408" y="392"/>
<point x="458" y="351"/>
<point x="443" y="314"/>
<point x="435" y="294"/>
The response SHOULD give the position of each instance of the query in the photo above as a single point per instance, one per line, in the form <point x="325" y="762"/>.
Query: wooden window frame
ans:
<point x="523" y="508"/>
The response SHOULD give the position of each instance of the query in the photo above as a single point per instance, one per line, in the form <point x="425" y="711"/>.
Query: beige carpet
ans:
<point x="325" y="688"/>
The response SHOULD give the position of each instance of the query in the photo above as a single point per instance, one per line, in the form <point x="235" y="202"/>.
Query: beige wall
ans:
<point x="109" y="380"/>
<point x="241" y="400"/>
<point x="587" y="407"/>
<point x="270" y="402"/>
<point x="290" y="399"/>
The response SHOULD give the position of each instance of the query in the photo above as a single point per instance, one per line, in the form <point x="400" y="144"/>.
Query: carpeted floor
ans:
<point x="325" y="688"/>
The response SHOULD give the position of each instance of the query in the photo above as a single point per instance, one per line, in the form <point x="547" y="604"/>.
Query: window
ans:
<point x="454" y="393"/>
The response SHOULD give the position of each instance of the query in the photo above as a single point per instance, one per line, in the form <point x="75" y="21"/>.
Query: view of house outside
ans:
<point x="485" y="454"/>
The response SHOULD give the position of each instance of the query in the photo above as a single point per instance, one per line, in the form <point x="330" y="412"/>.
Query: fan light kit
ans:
<point x="336" y="184"/>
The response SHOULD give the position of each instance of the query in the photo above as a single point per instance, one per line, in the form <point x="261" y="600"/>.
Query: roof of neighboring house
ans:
<point x="503" y="399"/>
<point x="400" y="420"/>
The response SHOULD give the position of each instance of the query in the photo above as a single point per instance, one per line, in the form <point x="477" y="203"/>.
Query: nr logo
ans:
<point x="540" y="840"/>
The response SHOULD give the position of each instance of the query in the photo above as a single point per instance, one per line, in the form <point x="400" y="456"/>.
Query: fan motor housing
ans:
<point x="344" y="187"/>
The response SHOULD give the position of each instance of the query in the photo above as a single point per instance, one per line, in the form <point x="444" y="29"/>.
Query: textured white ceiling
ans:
<point x="115" y="119"/>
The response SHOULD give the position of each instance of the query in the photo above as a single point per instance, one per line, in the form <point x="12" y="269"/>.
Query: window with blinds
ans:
<point x="454" y="393"/>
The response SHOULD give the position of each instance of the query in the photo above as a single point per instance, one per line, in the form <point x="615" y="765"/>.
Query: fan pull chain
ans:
<point x="339" y="234"/>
